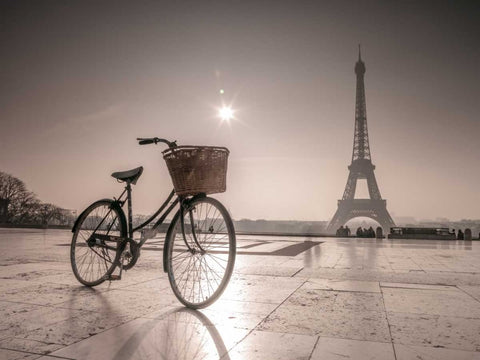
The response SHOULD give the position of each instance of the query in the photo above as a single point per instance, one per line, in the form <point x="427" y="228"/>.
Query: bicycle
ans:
<point x="200" y="245"/>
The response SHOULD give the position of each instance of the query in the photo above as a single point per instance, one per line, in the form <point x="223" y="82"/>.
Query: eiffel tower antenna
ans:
<point x="361" y="168"/>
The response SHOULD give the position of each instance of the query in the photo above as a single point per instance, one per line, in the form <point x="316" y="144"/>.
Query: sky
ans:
<point x="80" y="80"/>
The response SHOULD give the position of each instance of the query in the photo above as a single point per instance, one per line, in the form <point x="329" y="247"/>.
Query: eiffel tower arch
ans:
<point x="361" y="168"/>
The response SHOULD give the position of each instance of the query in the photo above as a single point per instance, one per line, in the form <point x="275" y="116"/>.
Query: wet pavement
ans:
<point x="289" y="298"/>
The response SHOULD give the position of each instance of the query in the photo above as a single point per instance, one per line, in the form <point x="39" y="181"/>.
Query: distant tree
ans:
<point x="45" y="213"/>
<point x="24" y="209"/>
<point x="20" y="202"/>
<point x="66" y="217"/>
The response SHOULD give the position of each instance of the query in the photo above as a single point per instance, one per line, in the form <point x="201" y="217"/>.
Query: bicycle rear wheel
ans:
<point x="94" y="260"/>
<point x="200" y="264"/>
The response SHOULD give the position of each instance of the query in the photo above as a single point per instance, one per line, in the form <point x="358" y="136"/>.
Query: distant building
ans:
<point x="421" y="233"/>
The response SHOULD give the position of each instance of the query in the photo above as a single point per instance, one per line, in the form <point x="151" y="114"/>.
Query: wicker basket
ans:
<point x="197" y="169"/>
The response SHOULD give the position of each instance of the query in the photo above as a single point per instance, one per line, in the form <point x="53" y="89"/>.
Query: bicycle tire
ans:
<point x="91" y="263"/>
<point x="198" y="278"/>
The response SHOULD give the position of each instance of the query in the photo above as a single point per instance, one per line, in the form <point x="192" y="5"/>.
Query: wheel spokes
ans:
<point x="94" y="258"/>
<point x="199" y="274"/>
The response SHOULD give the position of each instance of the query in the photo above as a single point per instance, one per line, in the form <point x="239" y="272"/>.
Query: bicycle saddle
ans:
<point x="130" y="176"/>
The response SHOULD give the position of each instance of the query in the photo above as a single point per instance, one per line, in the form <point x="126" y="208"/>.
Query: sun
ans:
<point x="225" y="113"/>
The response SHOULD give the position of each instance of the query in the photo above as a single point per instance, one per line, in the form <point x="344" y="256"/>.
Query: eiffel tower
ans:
<point x="361" y="168"/>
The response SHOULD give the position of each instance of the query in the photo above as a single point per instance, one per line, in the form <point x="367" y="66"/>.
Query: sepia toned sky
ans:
<point x="80" y="80"/>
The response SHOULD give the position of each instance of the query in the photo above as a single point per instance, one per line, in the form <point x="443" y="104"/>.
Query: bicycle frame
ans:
<point x="126" y="196"/>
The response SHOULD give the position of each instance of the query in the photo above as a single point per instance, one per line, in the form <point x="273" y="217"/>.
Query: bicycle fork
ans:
<point x="184" y="205"/>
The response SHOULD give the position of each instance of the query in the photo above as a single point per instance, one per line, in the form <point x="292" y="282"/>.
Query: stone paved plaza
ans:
<point x="289" y="298"/>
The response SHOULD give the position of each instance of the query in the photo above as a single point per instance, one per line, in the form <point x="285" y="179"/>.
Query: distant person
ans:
<point x="467" y="235"/>
<point x="347" y="230"/>
<point x="359" y="232"/>
<point x="460" y="235"/>
<point x="340" y="231"/>
<point x="371" y="232"/>
<point x="365" y="232"/>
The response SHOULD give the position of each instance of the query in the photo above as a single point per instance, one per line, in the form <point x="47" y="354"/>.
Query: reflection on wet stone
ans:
<point x="179" y="334"/>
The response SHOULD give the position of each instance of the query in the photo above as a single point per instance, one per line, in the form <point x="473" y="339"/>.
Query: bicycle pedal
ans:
<point x="114" y="277"/>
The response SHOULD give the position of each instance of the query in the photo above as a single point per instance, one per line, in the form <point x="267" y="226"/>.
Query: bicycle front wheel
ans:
<point x="200" y="259"/>
<point x="94" y="260"/>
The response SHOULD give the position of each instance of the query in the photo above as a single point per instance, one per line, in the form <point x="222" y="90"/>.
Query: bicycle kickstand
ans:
<point x="119" y="276"/>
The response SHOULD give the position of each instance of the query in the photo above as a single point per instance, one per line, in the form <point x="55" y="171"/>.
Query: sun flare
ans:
<point x="225" y="113"/>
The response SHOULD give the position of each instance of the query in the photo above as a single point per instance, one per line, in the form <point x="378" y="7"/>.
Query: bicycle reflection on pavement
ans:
<point x="180" y="334"/>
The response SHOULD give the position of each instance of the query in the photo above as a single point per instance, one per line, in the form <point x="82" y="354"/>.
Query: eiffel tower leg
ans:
<point x="339" y="219"/>
<point x="372" y="186"/>
<point x="351" y="186"/>
<point x="384" y="219"/>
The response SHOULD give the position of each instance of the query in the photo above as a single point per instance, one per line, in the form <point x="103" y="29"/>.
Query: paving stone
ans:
<point x="272" y="345"/>
<point x="268" y="270"/>
<point x="436" y="331"/>
<point x="349" y="324"/>
<point x="343" y="285"/>
<point x="441" y="278"/>
<point x="340" y="349"/>
<point x="268" y="289"/>
<point x="121" y="302"/>
<point x="13" y="315"/>
<point x="6" y="354"/>
<point x="234" y="320"/>
<point x="45" y="293"/>
<point x="30" y="346"/>
<point x="324" y="300"/>
<point x="473" y="291"/>
<point x="156" y="285"/>
<point x="215" y="317"/>
<point x="257" y="260"/>
<point x="31" y="270"/>
<point x="408" y="352"/>
<point x="451" y="302"/>
<point x="13" y="284"/>
<point x="26" y="318"/>
<point x="313" y="300"/>
<point x="416" y="286"/>
<point x="76" y="328"/>
<point x="359" y="302"/>
<point x="242" y="307"/>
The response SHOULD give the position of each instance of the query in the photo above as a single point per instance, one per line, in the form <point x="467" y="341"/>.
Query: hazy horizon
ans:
<point x="81" y="80"/>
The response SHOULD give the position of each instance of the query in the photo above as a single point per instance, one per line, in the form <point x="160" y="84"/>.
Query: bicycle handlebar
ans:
<point x="155" y="140"/>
